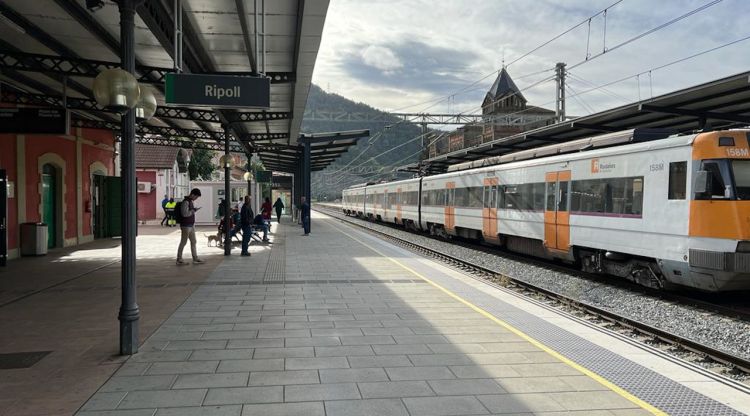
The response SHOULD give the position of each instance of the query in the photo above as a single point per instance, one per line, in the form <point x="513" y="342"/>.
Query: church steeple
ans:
<point x="504" y="96"/>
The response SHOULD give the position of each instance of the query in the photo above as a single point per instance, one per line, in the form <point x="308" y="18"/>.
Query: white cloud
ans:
<point x="486" y="31"/>
<point x="381" y="58"/>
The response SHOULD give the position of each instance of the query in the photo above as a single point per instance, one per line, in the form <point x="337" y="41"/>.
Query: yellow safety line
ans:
<point x="644" y="405"/>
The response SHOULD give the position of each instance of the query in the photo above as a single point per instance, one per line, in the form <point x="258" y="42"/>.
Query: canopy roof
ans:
<point x="43" y="43"/>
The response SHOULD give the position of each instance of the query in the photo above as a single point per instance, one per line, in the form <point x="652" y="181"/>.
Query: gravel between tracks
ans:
<point x="719" y="332"/>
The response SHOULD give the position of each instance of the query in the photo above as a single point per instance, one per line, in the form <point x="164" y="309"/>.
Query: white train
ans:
<point x="664" y="212"/>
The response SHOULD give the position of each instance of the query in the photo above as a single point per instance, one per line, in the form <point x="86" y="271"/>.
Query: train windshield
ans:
<point x="741" y="171"/>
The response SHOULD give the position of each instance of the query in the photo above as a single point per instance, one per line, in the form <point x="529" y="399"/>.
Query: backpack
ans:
<point x="178" y="213"/>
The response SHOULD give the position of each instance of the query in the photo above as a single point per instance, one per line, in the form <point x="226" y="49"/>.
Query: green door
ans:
<point x="49" y="196"/>
<point x="112" y="199"/>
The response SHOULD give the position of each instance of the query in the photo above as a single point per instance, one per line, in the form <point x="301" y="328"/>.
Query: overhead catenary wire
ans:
<point x="683" y="16"/>
<point x="656" y="68"/>
<point x="584" y="21"/>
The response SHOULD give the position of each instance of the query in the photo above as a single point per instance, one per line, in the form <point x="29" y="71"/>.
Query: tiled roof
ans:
<point x="155" y="157"/>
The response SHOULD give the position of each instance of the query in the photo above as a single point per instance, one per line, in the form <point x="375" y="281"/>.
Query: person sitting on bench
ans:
<point x="260" y="224"/>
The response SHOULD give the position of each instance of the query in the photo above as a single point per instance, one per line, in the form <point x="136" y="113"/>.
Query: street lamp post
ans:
<point x="129" y="312"/>
<point x="118" y="89"/>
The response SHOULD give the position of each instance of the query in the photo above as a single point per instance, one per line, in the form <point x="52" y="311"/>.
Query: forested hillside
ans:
<point x="372" y="158"/>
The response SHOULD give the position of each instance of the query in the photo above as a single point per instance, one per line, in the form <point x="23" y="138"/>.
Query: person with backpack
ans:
<point x="185" y="216"/>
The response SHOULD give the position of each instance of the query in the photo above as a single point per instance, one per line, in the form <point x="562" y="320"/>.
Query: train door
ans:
<point x="398" y="205"/>
<point x="556" y="213"/>
<point x="450" y="206"/>
<point x="386" y="203"/>
<point x="489" y="209"/>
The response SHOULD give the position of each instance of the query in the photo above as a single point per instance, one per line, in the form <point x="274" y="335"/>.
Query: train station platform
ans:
<point x="342" y="323"/>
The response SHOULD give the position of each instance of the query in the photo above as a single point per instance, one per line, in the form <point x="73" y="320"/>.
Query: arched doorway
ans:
<point x="50" y="203"/>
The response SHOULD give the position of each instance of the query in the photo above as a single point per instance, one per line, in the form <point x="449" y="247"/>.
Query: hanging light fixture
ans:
<point x="117" y="89"/>
<point x="146" y="106"/>
<point x="226" y="161"/>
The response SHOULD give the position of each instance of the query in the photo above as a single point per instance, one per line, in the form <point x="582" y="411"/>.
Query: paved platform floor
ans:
<point x="66" y="303"/>
<point x="340" y="323"/>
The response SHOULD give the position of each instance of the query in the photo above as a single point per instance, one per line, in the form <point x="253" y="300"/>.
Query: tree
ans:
<point x="200" y="166"/>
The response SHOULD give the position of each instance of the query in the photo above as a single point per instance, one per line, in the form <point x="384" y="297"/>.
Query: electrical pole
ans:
<point x="560" y="79"/>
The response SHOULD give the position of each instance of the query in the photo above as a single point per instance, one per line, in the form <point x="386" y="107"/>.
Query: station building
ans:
<point x="57" y="180"/>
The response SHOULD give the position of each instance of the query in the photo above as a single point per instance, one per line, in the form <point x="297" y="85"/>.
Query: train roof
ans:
<point x="590" y="143"/>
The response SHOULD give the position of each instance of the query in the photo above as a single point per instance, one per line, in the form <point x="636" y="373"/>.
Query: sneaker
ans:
<point x="198" y="261"/>
<point x="245" y="254"/>
<point x="179" y="262"/>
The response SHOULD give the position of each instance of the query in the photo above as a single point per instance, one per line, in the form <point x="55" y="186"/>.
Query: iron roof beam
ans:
<point x="89" y="68"/>
<point x="738" y="118"/>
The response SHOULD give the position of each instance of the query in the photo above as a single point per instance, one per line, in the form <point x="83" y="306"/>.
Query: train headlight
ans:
<point x="743" y="247"/>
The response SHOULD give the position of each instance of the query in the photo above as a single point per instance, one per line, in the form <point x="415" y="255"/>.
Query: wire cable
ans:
<point x="666" y="65"/>
<point x="648" y="32"/>
<point x="586" y="20"/>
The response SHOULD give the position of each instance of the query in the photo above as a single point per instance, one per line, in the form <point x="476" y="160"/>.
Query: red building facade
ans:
<point x="51" y="180"/>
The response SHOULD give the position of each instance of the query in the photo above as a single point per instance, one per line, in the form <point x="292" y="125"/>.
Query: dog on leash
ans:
<point x="213" y="237"/>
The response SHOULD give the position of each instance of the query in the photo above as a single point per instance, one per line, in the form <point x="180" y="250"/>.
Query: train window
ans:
<point x="719" y="185"/>
<point x="512" y="198"/>
<point x="538" y="196"/>
<point x="461" y="196"/>
<point x="475" y="197"/>
<point x="611" y="196"/>
<point x="563" y="203"/>
<point x="741" y="169"/>
<point x="551" y="195"/>
<point x="677" y="180"/>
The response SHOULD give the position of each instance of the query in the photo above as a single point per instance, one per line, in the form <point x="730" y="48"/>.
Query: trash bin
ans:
<point x="33" y="239"/>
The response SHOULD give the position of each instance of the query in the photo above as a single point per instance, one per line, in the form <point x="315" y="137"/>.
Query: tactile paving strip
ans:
<point x="276" y="266"/>
<point x="651" y="387"/>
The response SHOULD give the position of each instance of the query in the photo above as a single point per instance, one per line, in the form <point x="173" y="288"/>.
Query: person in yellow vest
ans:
<point x="169" y="208"/>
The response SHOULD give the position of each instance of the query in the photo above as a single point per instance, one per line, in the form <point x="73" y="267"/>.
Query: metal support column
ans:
<point x="129" y="312"/>
<point x="227" y="195"/>
<point x="306" y="174"/>
<point x="296" y="193"/>
<point x="560" y="79"/>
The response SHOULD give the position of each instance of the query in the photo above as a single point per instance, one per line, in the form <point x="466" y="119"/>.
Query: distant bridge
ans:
<point x="510" y="119"/>
<point x="417" y="118"/>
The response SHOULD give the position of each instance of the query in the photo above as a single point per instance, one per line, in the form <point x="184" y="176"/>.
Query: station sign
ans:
<point x="281" y="182"/>
<point x="263" y="176"/>
<point x="218" y="90"/>
<point x="33" y="120"/>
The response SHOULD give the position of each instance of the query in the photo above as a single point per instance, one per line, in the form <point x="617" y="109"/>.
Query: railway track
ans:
<point x="735" y="367"/>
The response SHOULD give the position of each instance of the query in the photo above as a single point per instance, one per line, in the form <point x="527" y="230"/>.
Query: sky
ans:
<point x="423" y="55"/>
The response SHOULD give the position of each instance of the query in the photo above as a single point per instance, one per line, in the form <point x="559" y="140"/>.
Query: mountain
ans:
<point x="365" y="161"/>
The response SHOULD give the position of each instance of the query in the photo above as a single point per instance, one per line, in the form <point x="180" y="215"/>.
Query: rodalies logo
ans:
<point x="598" y="166"/>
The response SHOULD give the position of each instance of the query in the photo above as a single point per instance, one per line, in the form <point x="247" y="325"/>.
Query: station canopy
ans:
<point x="720" y="104"/>
<point x="51" y="46"/>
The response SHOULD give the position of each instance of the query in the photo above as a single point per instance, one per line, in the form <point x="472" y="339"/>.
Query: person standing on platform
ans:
<point x="279" y="206"/>
<point x="164" y="203"/>
<point x="305" y="215"/>
<point x="265" y="210"/>
<point x="186" y="218"/>
<point x="169" y="208"/>
<point x="246" y="219"/>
